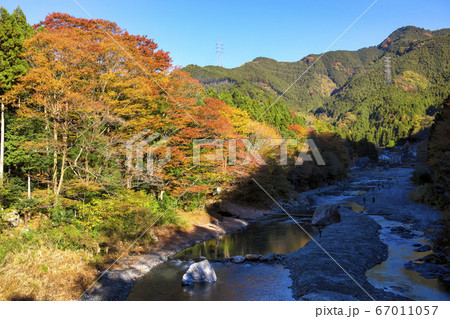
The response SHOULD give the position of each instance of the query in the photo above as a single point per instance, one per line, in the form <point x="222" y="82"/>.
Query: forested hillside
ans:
<point x="347" y="88"/>
<point x="85" y="104"/>
<point x="432" y="173"/>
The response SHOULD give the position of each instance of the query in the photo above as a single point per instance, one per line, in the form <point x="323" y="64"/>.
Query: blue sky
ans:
<point x="282" y="30"/>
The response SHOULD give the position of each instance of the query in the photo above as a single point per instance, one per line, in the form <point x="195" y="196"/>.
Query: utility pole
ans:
<point x="219" y="50"/>
<point x="387" y="70"/>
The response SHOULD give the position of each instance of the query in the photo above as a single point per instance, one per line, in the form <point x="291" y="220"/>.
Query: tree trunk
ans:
<point x="55" y="159"/>
<point x="29" y="187"/>
<point x="63" y="168"/>
<point x="86" y="166"/>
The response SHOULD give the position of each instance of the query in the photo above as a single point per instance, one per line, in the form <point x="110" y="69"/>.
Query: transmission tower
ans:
<point x="219" y="50"/>
<point x="387" y="70"/>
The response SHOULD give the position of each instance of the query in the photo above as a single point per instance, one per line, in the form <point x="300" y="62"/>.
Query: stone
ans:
<point x="199" y="272"/>
<point x="12" y="218"/>
<point x="252" y="257"/>
<point x="432" y="259"/>
<point x="325" y="215"/>
<point x="269" y="257"/>
<point x="423" y="248"/>
<point x="237" y="259"/>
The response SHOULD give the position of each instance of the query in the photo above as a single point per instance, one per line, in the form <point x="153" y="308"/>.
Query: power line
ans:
<point x="219" y="50"/>
<point x="387" y="71"/>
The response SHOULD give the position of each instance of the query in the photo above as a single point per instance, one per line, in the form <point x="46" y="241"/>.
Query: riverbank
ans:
<point x="389" y="196"/>
<point x="391" y="201"/>
<point x="355" y="242"/>
<point x="116" y="283"/>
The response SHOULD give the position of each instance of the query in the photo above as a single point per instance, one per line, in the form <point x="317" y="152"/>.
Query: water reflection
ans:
<point x="392" y="276"/>
<point x="274" y="236"/>
<point x="250" y="281"/>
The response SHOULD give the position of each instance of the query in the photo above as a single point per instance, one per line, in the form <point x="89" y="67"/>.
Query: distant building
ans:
<point x="391" y="157"/>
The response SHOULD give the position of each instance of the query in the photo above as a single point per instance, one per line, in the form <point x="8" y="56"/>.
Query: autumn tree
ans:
<point x="91" y="84"/>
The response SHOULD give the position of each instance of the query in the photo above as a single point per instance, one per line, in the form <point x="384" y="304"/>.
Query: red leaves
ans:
<point x="97" y="86"/>
<point x="58" y="21"/>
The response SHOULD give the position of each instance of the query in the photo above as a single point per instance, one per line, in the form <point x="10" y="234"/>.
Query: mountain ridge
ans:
<point x="345" y="81"/>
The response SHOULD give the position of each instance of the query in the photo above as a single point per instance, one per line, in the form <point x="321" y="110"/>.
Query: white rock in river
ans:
<point x="199" y="272"/>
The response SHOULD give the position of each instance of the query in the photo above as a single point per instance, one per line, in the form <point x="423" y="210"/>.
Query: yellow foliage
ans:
<point x="411" y="81"/>
<point x="239" y="119"/>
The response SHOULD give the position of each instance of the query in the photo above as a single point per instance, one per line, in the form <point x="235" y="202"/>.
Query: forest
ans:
<point x="348" y="89"/>
<point x="73" y="93"/>
<point x="100" y="136"/>
<point x="432" y="173"/>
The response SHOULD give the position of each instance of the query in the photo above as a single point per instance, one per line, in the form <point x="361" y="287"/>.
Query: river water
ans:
<point x="391" y="276"/>
<point x="247" y="281"/>
<point x="260" y="281"/>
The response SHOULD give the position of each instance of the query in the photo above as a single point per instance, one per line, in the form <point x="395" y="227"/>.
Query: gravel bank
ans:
<point x="354" y="243"/>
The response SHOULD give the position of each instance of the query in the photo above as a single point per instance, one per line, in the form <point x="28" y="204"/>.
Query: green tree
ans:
<point x="14" y="29"/>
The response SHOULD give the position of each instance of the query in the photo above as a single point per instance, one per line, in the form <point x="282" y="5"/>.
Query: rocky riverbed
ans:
<point x="333" y="266"/>
<point x="355" y="243"/>
<point x="390" y="200"/>
<point x="340" y="263"/>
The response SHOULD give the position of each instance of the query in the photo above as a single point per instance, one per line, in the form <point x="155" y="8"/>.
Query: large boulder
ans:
<point x="325" y="215"/>
<point x="199" y="272"/>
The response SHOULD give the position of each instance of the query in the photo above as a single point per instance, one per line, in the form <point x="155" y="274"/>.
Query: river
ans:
<point x="261" y="281"/>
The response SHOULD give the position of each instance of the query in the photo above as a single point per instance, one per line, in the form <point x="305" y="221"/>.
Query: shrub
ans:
<point x="423" y="194"/>
<point x="61" y="215"/>
<point x="70" y="237"/>
<point x="426" y="194"/>
<point x="421" y="176"/>
<point x="11" y="191"/>
<point x="124" y="216"/>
